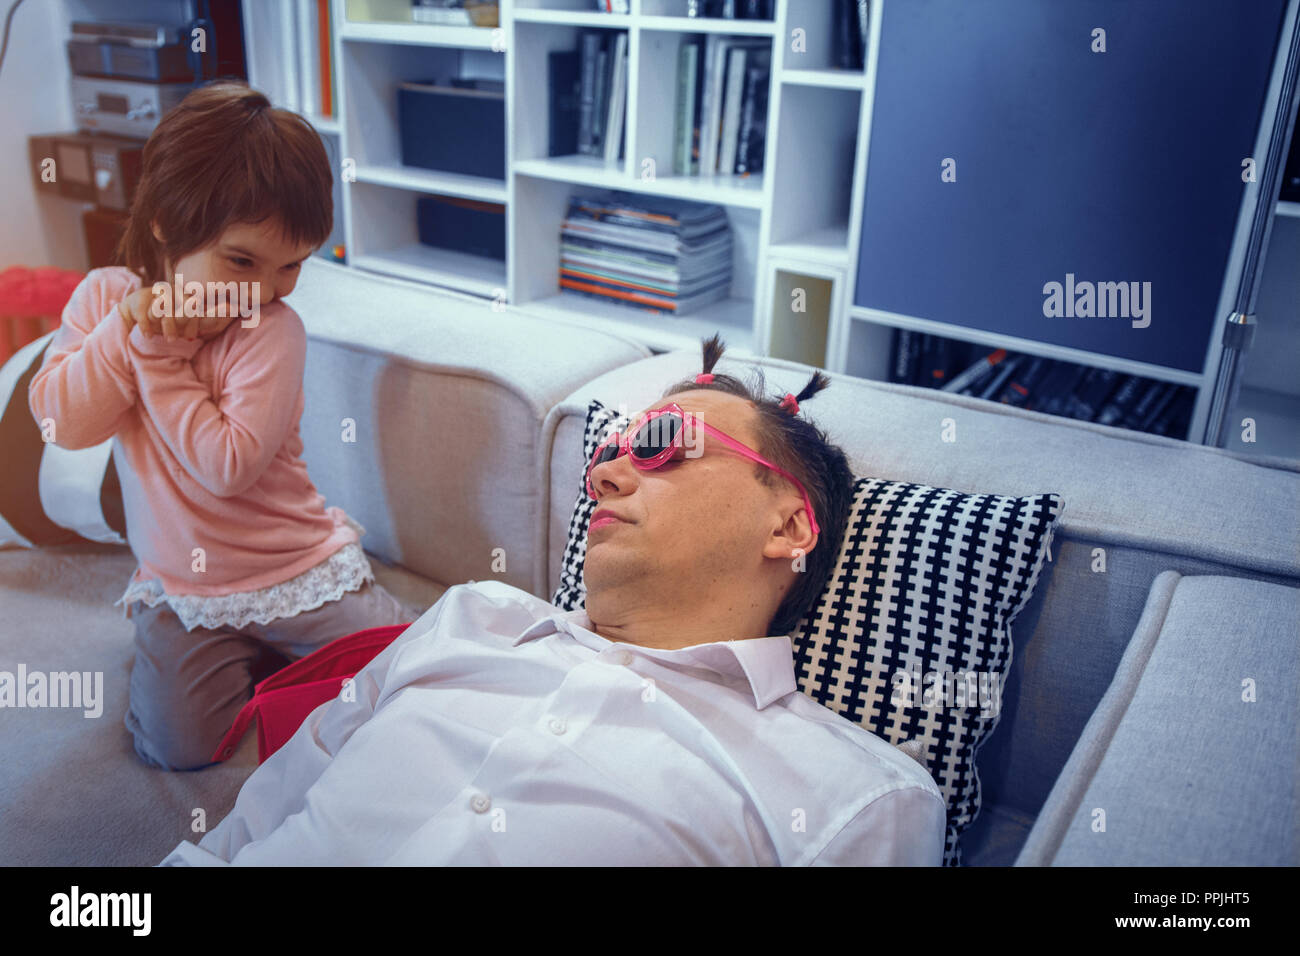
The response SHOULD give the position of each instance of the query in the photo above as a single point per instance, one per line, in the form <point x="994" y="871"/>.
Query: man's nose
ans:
<point x="617" y="476"/>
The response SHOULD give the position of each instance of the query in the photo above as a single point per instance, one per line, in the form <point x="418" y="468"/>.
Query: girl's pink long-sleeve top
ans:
<point x="208" y="449"/>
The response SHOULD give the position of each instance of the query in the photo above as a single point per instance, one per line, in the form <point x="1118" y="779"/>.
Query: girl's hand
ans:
<point x="137" y="309"/>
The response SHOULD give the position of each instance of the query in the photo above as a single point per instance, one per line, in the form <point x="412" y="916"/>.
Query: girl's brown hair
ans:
<point x="222" y="156"/>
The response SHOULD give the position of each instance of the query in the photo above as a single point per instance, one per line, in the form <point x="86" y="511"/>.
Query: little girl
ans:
<point x="240" y="563"/>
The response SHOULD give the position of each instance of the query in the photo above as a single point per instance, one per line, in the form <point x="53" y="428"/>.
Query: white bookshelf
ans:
<point x="801" y="217"/>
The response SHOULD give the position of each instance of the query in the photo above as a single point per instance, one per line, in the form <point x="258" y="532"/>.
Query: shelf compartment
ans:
<point x="538" y="209"/>
<point x="529" y="114"/>
<point x="371" y="75"/>
<point x="1164" y="408"/>
<point x="859" y="314"/>
<point x="386" y="240"/>
<point x="653" y="137"/>
<point x="817" y="19"/>
<point x="801" y="335"/>
<point x="814" y="151"/>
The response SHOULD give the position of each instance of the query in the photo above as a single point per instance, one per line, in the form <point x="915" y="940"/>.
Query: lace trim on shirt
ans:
<point x="347" y="569"/>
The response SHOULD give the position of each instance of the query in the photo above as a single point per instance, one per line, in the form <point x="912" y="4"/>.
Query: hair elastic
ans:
<point x="789" y="404"/>
<point x="704" y="378"/>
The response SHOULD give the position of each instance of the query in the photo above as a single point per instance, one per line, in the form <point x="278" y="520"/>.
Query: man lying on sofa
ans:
<point x="657" y="727"/>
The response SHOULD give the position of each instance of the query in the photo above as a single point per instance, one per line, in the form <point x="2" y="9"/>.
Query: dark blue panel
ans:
<point x="1123" y="166"/>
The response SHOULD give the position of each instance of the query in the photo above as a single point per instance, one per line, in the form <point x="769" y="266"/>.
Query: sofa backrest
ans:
<point x="423" y="415"/>
<point x="1148" y="503"/>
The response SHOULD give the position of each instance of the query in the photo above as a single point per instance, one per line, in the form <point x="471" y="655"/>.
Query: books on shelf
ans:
<point x="652" y="252"/>
<point x="317" y="90"/>
<point x="1040" y="384"/>
<point x="850" y="36"/>
<point x="720" y="114"/>
<point x="588" y="96"/>
<point x="456" y="13"/>
<point x="718" y="9"/>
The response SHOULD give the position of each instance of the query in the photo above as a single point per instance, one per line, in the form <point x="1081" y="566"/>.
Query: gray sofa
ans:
<point x="1149" y="718"/>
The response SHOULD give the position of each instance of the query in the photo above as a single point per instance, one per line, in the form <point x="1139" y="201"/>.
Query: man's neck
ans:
<point x="675" y="624"/>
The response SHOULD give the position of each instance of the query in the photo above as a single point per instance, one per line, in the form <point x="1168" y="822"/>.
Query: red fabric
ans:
<point x="282" y="702"/>
<point x="31" y="301"/>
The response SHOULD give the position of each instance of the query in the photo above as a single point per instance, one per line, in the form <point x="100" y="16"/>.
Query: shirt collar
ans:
<point x="767" y="663"/>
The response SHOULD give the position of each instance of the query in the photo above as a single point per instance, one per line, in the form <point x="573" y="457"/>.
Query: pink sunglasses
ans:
<point x="650" y="446"/>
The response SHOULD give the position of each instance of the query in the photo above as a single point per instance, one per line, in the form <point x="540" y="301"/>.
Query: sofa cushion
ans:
<point x="911" y="636"/>
<point x="1191" y="758"/>
<point x="72" y="791"/>
<point x="51" y="495"/>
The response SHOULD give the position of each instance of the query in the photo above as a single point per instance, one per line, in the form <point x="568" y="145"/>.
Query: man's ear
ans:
<point x="794" y="538"/>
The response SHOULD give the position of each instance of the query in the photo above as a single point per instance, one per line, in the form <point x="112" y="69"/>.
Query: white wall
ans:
<point x="45" y="230"/>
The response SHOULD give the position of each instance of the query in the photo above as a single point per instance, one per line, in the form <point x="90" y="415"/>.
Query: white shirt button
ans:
<point x="557" y="725"/>
<point x="480" y="802"/>
<point x="623" y="657"/>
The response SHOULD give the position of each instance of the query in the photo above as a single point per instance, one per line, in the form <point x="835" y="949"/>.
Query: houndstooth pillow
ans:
<point x="911" y="636"/>
<point x="572" y="593"/>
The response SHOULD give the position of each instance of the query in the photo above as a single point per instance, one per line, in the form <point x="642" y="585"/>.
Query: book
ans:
<point x="1177" y="415"/>
<point x="441" y="12"/>
<point x="906" y="352"/>
<point x="1018" y="387"/>
<point x="999" y="378"/>
<point x="975" y="373"/>
<point x="325" y="34"/>
<point x="1060" y="386"/>
<point x="936" y="360"/>
<point x="651" y="252"/>
<point x="848" y="35"/>
<point x="565" y="96"/>
<point x="1091" y="393"/>
<point x="1048" y="385"/>
<point x="1147" y="395"/>
<point x="751" y="137"/>
<point x="1125" y="397"/>
<point x="688" y="57"/>
<point x="588" y="50"/>
<point x="738" y="54"/>
<point x="614" y="123"/>
<point x="696" y="123"/>
<point x="1151" y="407"/>
<point x="600" y="95"/>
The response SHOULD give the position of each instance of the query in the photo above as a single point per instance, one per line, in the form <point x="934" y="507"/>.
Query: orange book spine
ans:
<point x="326" y="66"/>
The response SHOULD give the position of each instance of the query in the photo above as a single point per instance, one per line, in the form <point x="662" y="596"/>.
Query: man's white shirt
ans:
<point x="498" y="729"/>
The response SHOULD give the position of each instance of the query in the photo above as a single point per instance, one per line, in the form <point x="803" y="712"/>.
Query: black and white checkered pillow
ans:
<point x="50" y="495"/>
<point x="572" y="593"/>
<point x="911" y="636"/>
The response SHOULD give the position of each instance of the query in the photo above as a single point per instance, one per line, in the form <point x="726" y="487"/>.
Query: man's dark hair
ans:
<point x="792" y="442"/>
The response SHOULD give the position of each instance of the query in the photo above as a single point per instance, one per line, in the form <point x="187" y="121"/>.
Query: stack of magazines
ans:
<point x="666" y="255"/>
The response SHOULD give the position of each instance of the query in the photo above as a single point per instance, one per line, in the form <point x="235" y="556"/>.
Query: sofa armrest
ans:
<point x="423" y="415"/>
